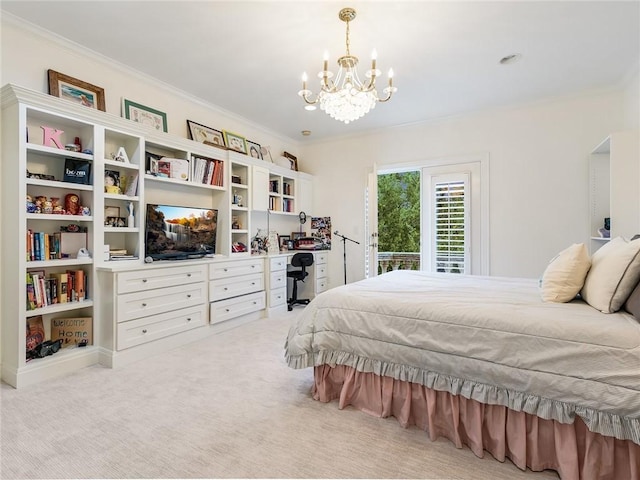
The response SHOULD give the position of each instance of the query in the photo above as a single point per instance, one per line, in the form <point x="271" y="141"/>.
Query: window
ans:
<point x="450" y="244"/>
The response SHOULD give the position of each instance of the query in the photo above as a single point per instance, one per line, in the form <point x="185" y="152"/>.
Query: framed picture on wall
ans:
<point x="76" y="91"/>
<point x="254" y="150"/>
<point x="235" y="142"/>
<point x="145" y="115"/>
<point x="204" y="134"/>
<point x="293" y="160"/>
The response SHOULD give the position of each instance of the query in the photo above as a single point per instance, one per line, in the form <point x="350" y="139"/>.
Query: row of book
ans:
<point x="274" y="187"/>
<point x="208" y="171"/>
<point x="54" y="246"/>
<point x="42" y="291"/>
<point x="287" y="205"/>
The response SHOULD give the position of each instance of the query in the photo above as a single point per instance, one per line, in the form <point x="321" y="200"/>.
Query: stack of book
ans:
<point x="121" y="254"/>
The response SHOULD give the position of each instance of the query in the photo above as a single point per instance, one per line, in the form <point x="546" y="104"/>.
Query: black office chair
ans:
<point x="302" y="260"/>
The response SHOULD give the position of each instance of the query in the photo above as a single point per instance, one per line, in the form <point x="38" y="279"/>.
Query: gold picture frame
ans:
<point x="76" y="91"/>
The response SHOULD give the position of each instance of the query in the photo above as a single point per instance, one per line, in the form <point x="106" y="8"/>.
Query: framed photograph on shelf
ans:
<point x="255" y="150"/>
<point x="75" y="90"/>
<point x="115" y="222"/>
<point x="265" y="153"/>
<point x="235" y="142"/>
<point x="110" y="211"/>
<point x="203" y="134"/>
<point x="112" y="181"/>
<point x="292" y="160"/>
<point x="284" y="242"/>
<point x="145" y="115"/>
<point x="297" y="235"/>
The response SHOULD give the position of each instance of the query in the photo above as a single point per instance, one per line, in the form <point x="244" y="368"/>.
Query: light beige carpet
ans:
<point x="226" y="406"/>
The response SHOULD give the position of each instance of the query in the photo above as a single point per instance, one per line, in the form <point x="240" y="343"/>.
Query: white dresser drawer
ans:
<point x="234" y="307"/>
<point x="321" y="271"/>
<point x="278" y="263"/>
<point x="222" y="288"/>
<point x="141" y="280"/>
<point x="235" y="268"/>
<point x="278" y="280"/>
<point x="160" y="300"/>
<point x="322" y="284"/>
<point x="320" y="258"/>
<point x="277" y="297"/>
<point x="147" y="329"/>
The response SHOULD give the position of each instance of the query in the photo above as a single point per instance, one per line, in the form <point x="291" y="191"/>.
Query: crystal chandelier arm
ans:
<point x="390" y="89"/>
<point x="305" y="93"/>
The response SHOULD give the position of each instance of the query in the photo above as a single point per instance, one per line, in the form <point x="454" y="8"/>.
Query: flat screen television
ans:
<point x="176" y="233"/>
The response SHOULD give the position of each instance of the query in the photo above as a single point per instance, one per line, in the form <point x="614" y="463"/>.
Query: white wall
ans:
<point x="632" y="101"/>
<point x="28" y="53"/>
<point x="538" y="175"/>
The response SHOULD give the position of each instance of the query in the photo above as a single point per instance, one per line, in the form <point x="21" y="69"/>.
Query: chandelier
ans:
<point x="347" y="98"/>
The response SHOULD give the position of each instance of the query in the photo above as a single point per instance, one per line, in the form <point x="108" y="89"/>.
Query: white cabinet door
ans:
<point x="260" y="188"/>
<point x="304" y="195"/>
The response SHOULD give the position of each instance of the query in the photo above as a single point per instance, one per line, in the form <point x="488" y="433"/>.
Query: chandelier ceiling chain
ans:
<point x="347" y="98"/>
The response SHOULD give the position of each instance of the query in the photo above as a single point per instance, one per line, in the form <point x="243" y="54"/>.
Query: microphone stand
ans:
<point x="344" y="250"/>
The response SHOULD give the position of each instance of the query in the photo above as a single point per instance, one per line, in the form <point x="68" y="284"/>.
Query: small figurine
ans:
<point x="85" y="211"/>
<point x="31" y="206"/>
<point x="40" y="199"/>
<point x="47" y="207"/>
<point x="235" y="224"/>
<point x="130" y="218"/>
<point x="72" y="204"/>
<point x="57" y="208"/>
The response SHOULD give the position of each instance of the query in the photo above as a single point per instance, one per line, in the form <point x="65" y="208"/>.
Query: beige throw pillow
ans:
<point x="564" y="276"/>
<point x="615" y="271"/>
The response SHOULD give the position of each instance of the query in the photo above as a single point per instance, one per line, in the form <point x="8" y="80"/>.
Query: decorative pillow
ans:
<point x="632" y="304"/>
<point x="564" y="276"/>
<point x="615" y="271"/>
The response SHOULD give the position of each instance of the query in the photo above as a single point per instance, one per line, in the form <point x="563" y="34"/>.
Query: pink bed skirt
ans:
<point x="529" y="441"/>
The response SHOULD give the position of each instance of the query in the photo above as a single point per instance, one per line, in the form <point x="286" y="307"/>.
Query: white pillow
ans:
<point x="564" y="276"/>
<point x="615" y="271"/>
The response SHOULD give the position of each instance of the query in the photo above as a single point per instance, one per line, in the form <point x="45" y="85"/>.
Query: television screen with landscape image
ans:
<point x="173" y="232"/>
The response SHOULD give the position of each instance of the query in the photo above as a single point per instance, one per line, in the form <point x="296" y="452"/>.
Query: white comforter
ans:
<point x="487" y="338"/>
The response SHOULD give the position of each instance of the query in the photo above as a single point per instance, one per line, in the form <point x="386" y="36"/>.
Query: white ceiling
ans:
<point x="248" y="57"/>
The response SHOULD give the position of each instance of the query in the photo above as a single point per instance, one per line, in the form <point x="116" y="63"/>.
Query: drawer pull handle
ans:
<point x="188" y="275"/>
<point x="144" y="330"/>
<point x="144" y="304"/>
<point x="227" y="310"/>
<point x="188" y="295"/>
<point x="144" y="280"/>
<point x="226" y="288"/>
<point x="253" y="283"/>
<point x="253" y="266"/>
<point x="188" y="319"/>
<point x="225" y="269"/>
<point x="255" y="303"/>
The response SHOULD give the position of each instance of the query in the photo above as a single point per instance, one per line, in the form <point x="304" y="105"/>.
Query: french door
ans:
<point x="454" y="217"/>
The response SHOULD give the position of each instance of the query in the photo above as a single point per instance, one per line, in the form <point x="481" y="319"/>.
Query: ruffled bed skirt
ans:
<point x="527" y="440"/>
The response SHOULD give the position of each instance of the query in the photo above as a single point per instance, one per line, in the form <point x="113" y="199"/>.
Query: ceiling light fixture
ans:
<point x="347" y="98"/>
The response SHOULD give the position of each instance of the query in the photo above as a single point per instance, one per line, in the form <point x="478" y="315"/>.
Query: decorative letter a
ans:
<point x="52" y="137"/>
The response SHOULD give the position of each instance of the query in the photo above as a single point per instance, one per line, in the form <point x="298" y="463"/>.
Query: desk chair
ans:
<point x="302" y="260"/>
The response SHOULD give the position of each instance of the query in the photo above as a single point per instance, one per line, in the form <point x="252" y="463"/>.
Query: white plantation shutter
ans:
<point x="450" y="239"/>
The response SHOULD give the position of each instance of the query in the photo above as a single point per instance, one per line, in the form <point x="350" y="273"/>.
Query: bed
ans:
<point x="485" y="362"/>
